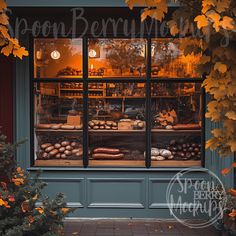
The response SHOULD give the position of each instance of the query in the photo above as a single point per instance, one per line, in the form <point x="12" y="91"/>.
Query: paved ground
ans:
<point x="133" y="228"/>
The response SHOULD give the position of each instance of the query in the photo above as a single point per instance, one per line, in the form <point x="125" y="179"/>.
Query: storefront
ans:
<point x="109" y="117"/>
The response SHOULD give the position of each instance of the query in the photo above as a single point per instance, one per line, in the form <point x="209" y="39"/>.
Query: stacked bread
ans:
<point x="59" y="126"/>
<point x="101" y="125"/>
<point x="61" y="150"/>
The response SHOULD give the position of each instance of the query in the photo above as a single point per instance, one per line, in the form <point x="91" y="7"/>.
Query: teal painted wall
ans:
<point x="104" y="192"/>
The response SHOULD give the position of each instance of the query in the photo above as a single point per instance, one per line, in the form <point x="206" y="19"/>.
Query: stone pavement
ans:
<point x="132" y="228"/>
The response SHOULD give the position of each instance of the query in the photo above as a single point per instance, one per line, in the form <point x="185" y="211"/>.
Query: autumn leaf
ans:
<point x="231" y="115"/>
<point x="11" y="198"/>
<point x="40" y="210"/>
<point x="4" y="19"/>
<point x="215" y="18"/>
<point x="222" y="5"/>
<point x="217" y="132"/>
<point x="65" y="210"/>
<point x="232" y="192"/>
<point x="234" y="165"/>
<point x="225" y="171"/>
<point x="20" y="52"/>
<point x="212" y="143"/>
<point x="3" y="5"/>
<point x="202" y="21"/>
<point x="207" y="4"/>
<point x="232" y="145"/>
<point x="227" y="23"/>
<point x="173" y="27"/>
<point x="222" y="68"/>
<point x="157" y="13"/>
<point x="132" y="3"/>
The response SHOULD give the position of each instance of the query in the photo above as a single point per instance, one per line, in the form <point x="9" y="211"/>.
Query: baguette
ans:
<point x="106" y="150"/>
<point x="101" y="156"/>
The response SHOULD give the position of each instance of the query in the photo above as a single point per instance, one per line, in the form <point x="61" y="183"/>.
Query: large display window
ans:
<point x="116" y="103"/>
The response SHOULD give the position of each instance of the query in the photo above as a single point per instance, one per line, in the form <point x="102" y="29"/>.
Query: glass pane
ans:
<point x="117" y="58"/>
<point x="168" y="60"/>
<point x="57" y="58"/>
<point x="58" y="126"/>
<point x="117" y="124"/>
<point x="176" y="124"/>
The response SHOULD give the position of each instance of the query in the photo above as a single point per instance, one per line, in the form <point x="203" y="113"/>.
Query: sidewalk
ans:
<point x="132" y="228"/>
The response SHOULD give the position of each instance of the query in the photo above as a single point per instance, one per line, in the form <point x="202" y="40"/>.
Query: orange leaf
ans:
<point x="40" y="210"/>
<point x="234" y="165"/>
<point x="25" y="206"/>
<point x="65" y="210"/>
<point x="225" y="171"/>
<point x="232" y="192"/>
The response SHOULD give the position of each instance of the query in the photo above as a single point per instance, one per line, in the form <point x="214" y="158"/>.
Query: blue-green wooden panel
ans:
<point x="66" y="186"/>
<point x="119" y="192"/>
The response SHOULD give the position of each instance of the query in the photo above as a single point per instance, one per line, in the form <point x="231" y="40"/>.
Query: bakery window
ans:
<point x="169" y="61"/>
<point x="117" y="58"/>
<point x="117" y="109"/>
<point x="57" y="58"/>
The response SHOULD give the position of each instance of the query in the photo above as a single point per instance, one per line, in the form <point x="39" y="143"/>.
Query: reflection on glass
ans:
<point x="117" y="57"/>
<point x="57" y="58"/>
<point x="176" y="123"/>
<point x="117" y="124"/>
<point x="168" y="60"/>
<point x="58" y="125"/>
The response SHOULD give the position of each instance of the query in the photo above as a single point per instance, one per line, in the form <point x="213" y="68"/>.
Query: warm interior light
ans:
<point x="55" y="55"/>
<point x="92" y="53"/>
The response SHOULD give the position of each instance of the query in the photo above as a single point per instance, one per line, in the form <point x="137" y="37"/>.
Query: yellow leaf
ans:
<point x="222" y="5"/>
<point x="227" y="23"/>
<point x="4" y="19"/>
<point x="232" y="192"/>
<point x="2" y="203"/>
<point x="3" y="5"/>
<point x="212" y="143"/>
<point x="132" y="3"/>
<point x="202" y="21"/>
<point x="40" y="210"/>
<point x="7" y="50"/>
<point x="234" y="165"/>
<point x="225" y="171"/>
<point x="65" y="210"/>
<point x="173" y="27"/>
<point x="217" y="132"/>
<point x="232" y="145"/>
<point x="220" y="67"/>
<point x="157" y="13"/>
<point x="20" y="52"/>
<point x="231" y="115"/>
<point x="4" y="32"/>
<point x="207" y="4"/>
<point x="215" y="18"/>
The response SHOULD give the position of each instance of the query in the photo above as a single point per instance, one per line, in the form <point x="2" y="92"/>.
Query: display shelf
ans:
<point x="76" y="89"/>
<point x="116" y="132"/>
<point x="117" y="163"/>
<point x="91" y="131"/>
<point x="168" y="131"/>
<point x="170" y="163"/>
<point x="58" y="131"/>
<point x="56" y="163"/>
<point x="69" y="76"/>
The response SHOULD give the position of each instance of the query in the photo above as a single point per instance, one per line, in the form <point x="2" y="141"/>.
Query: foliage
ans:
<point x="215" y="24"/>
<point x="8" y="45"/>
<point x="24" y="211"/>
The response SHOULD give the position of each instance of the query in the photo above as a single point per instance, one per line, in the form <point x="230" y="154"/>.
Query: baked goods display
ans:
<point x="102" y="125"/>
<point x="59" y="126"/>
<point x="63" y="149"/>
<point x="165" y="119"/>
<point x="102" y="153"/>
<point x="185" y="149"/>
<point x="69" y="71"/>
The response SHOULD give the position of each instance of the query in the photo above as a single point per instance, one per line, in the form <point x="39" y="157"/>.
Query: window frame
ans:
<point x="148" y="80"/>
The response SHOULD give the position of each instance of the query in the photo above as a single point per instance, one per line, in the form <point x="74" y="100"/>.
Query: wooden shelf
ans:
<point x="56" y="163"/>
<point x="174" y="163"/>
<point x="117" y="163"/>
<point x="167" y="131"/>
<point x="59" y="131"/>
<point x="75" y="89"/>
<point x="110" y="132"/>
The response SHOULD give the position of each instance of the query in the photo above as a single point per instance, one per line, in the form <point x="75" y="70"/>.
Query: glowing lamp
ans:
<point x="55" y="55"/>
